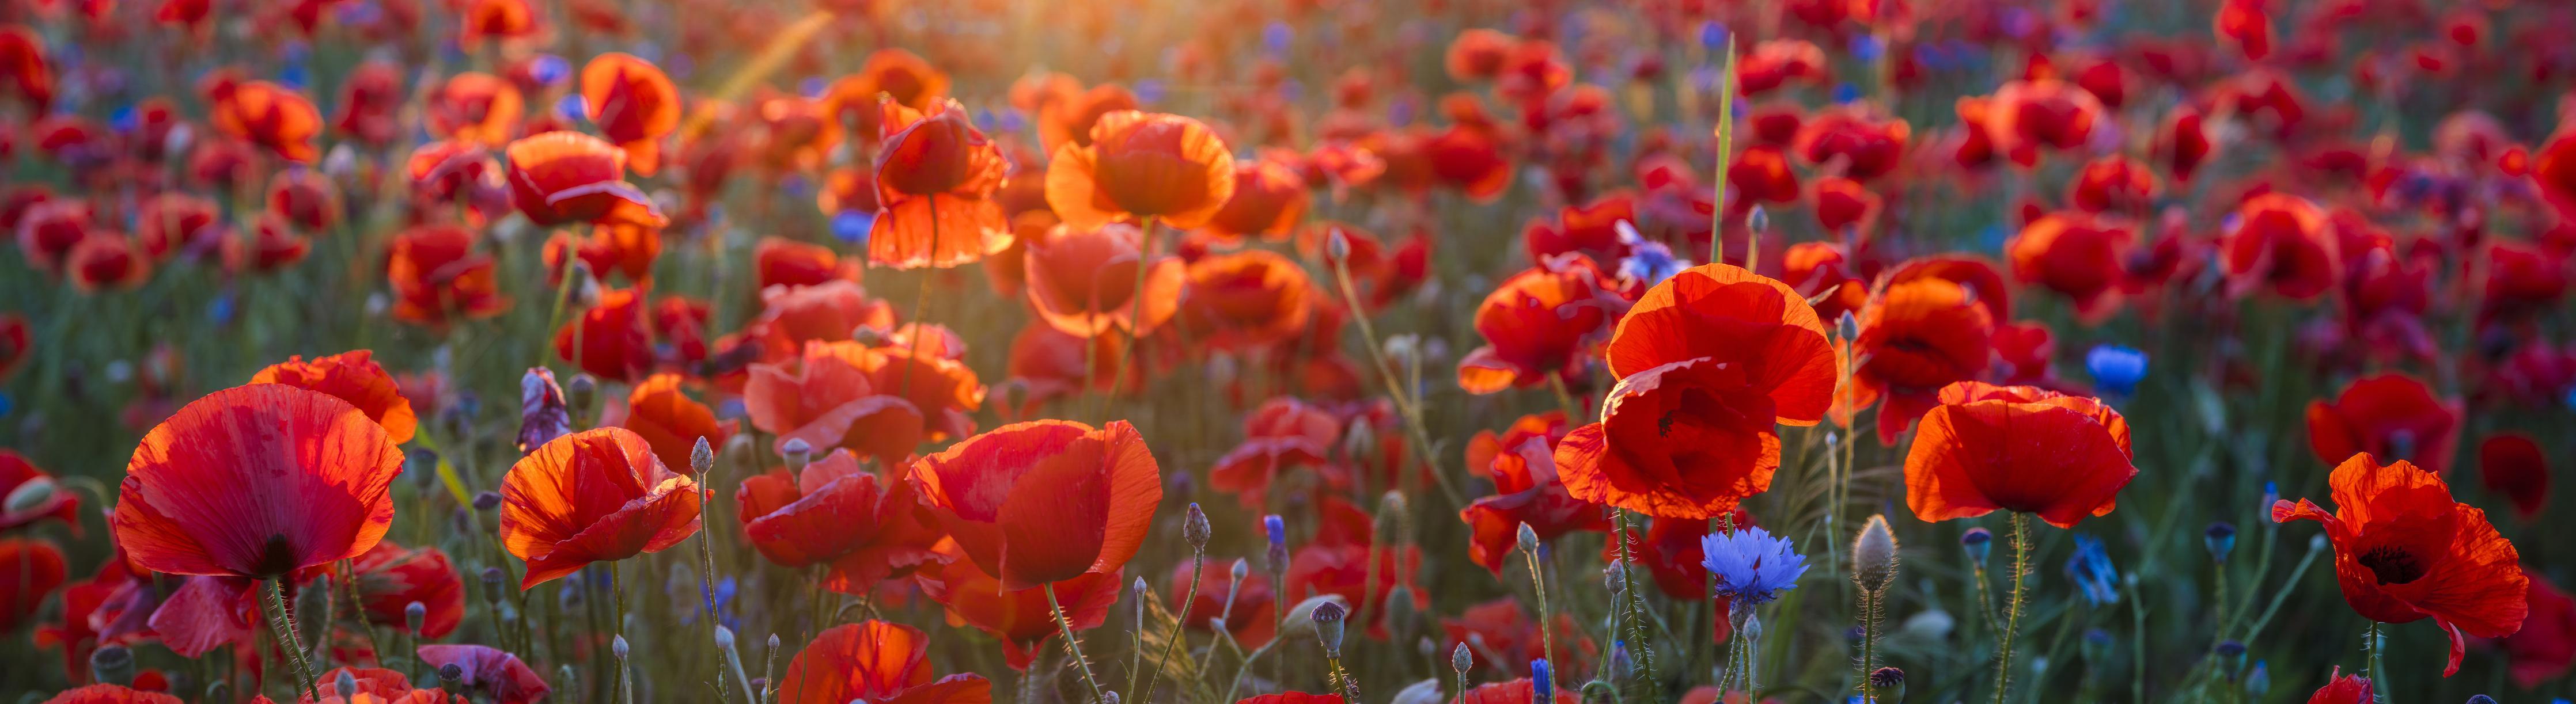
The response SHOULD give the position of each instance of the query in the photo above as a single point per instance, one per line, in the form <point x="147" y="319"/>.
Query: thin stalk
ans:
<point x="1198" y="566"/>
<point x="1405" y="404"/>
<point x="1635" y="604"/>
<point x="1725" y="154"/>
<point x="1145" y="250"/>
<point x="617" y="597"/>
<point x="2378" y="672"/>
<point x="1546" y="629"/>
<point x="281" y="626"/>
<point x="1073" y="647"/>
<point x="2012" y="621"/>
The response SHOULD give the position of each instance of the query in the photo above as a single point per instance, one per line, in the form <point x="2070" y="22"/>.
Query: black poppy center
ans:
<point x="2393" y="565"/>
<point x="276" y="558"/>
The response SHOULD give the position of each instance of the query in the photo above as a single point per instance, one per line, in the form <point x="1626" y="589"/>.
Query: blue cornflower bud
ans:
<point x="1277" y="528"/>
<point x="1980" y="544"/>
<point x="2116" y="369"/>
<point x="2220" y="538"/>
<point x="1542" y="684"/>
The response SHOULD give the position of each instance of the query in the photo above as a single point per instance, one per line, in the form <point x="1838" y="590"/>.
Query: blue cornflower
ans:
<point x="2092" y="571"/>
<point x="852" y="226"/>
<point x="549" y="69"/>
<point x="1752" y="566"/>
<point x="2116" y="369"/>
<point x="1648" y="262"/>
<point x="1276" y="527"/>
<point x="1542" y="682"/>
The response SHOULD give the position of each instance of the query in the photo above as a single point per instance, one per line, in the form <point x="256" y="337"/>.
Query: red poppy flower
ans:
<point x="1252" y="622"/>
<point x="1045" y="501"/>
<point x="2076" y="255"/>
<point x="30" y="571"/>
<point x="1269" y="198"/>
<point x="2511" y="464"/>
<point x="2404" y="551"/>
<point x="489" y="670"/>
<point x="435" y="274"/>
<point x="1772" y="63"/>
<point x="311" y="495"/>
<point x="1342" y="568"/>
<point x="935" y="177"/>
<point x="1245" y="299"/>
<point x="269" y="245"/>
<point x="1870" y="146"/>
<point x="112" y="694"/>
<point x="780" y="261"/>
<point x="563" y="177"/>
<point x="1526" y="492"/>
<point x="1142" y="166"/>
<point x="2020" y="449"/>
<point x="2281" y="241"/>
<point x="671" y="422"/>
<point x="2391" y="416"/>
<point x="107" y="260"/>
<point x="269" y="115"/>
<point x="372" y="685"/>
<point x="896" y="73"/>
<point x="24" y="73"/>
<point x="2025" y="116"/>
<point x="2245" y="26"/>
<point x="1019" y="618"/>
<point x="507" y="19"/>
<point x="2113" y="184"/>
<point x="473" y="107"/>
<point x="2522" y="281"/>
<point x="596" y="495"/>
<point x="171" y="221"/>
<point x="204" y="613"/>
<point x="351" y="376"/>
<point x="14" y="346"/>
<point x="306" y="198"/>
<point x="633" y="103"/>
<point x="58" y="502"/>
<point x="1536" y="323"/>
<point x="2343" y="689"/>
<point x="882" y="401"/>
<point x="390" y="578"/>
<point x="1477" y="54"/>
<point x="1070" y="118"/>
<point x="1500" y="628"/>
<point x="614" y="248"/>
<point x="875" y="661"/>
<point x="48" y="231"/>
<point x="369" y="101"/>
<point x="1282" y="434"/>
<point x="1915" y="338"/>
<point x="1083" y="281"/>
<point x="866" y="528"/>
<point x="1761" y="174"/>
<point x="1471" y="159"/>
<point x="793" y="315"/>
<point x="1518" y="691"/>
<point x="613" y="342"/>
<point x="1844" y="205"/>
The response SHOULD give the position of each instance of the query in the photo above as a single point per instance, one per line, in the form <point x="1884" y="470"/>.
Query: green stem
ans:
<point x="1546" y="630"/>
<point x="2012" y="620"/>
<point x="281" y="626"/>
<point x="1198" y="566"/>
<point x="1073" y="647"/>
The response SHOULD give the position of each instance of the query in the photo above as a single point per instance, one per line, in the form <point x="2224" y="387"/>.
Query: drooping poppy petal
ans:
<point x="875" y="661"/>
<point x="30" y="571"/>
<point x="595" y="495"/>
<point x="391" y="578"/>
<point x="2391" y="416"/>
<point x="1083" y="281"/>
<point x="257" y="481"/>
<point x="565" y="177"/>
<point x="935" y="177"/>
<point x="1020" y="618"/>
<point x="634" y="104"/>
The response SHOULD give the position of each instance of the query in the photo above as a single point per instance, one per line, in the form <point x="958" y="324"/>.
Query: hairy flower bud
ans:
<point x="1461" y="659"/>
<point x="702" y="457"/>
<point x="1874" y="555"/>
<point x="1195" y="528"/>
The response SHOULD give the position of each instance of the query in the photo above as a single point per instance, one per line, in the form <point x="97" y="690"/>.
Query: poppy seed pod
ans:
<point x="1889" y="683"/>
<point x="1195" y="528"/>
<point x="2220" y="538"/>
<point x="112" y="664"/>
<point x="1328" y="626"/>
<point x="1874" y="555"/>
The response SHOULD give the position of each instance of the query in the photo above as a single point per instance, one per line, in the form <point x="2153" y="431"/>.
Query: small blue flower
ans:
<point x="813" y="87"/>
<point x="221" y="310"/>
<point x="1866" y="48"/>
<point x="1647" y="261"/>
<point x="1541" y="682"/>
<point x="1845" y="93"/>
<point x="2115" y="368"/>
<point x="5" y="405"/>
<point x="852" y="226"/>
<point x="549" y="69"/>
<point x="1149" y="91"/>
<point x="1277" y="528"/>
<point x="2092" y="571"/>
<point x="1751" y="565"/>
<point x="1276" y="36"/>
<point x="572" y="108"/>
<point x="1712" y="34"/>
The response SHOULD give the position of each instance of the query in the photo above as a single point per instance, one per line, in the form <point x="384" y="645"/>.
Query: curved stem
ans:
<point x="1074" y="647"/>
<point x="281" y="626"/>
<point x="1135" y="311"/>
<point x="1198" y="567"/>
<point x="2012" y="619"/>
<point x="1404" y="403"/>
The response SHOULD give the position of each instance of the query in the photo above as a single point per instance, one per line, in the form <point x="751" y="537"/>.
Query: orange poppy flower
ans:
<point x="269" y="115"/>
<point x="843" y="394"/>
<point x="257" y="481"/>
<point x="1247" y="299"/>
<point x="865" y="527"/>
<point x="1502" y="627"/>
<point x="2282" y="242"/>
<point x="112" y="694"/>
<point x="596" y="495"/>
<point x="1019" y="618"/>
<point x="1535" y="324"/>
<point x="506" y="19"/>
<point x="30" y="571"/>
<point x="2020" y="449"/>
<point x="779" y="261"/>
<point x="613" y="342"/>
<point x="2404" y="551"/>
<point x="790" y="316"/>
<point x="614" y="248"/>
<point x="1142" y="166"/>
<point x="1735" y="316"/>
<point x="563" y="177"/>
<point x="1047" y="364"/>
<point x="351" y="376"/>
<point x="435" y="273"/>
<point x="934" y="170"/>
<point x="59" y="504"/>
<point x="369" y="101"/>
<point x="1083" y="281"/>
<point x="391" y="578"/>
<point x="1527" y="491"/>
<point x="794" y="134"/>
<point x="1477" y="54"/>
<point x="473" y="107"/>
<point x="875" y="661"/>
<point x="446" y="170"/>
<point x="106" y="260"/>
<point x="1915" y="338"/>
<point x="1269" y="197"/>
<point x="1469" y="158"/>
<point x="2076" y="255"/>
<point x="1045" y="501"/>
<point x="634" y="104"/>
<point x="2391" y="416"/>
<point x="671" y="422"/>
<point x="1069" y="119"/>
<point x="2024" y="116"/>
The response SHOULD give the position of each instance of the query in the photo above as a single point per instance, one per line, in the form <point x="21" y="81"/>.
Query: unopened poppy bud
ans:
<point x="1615" y="576"/>
<point x="414" y="614"/>
<point x="702" y="457"/>
<point x="1846" y="326"/>
<point x="113" y="664"/>
<point x="1758" y="220"/>
<point x="1195" y="528"/>
<point x="1337" y="245"/>
<point x="1980" y="543"/>
<point x="1328" y="626"/>
<point x="2258" y="681"/>
<point x="486" y="501"/>
<point x="798" y="453"/>
<point x="581" y="391"/>
<point x="1889" y="684"/>
<point x="618" y="646"/>
<point x="2220" y="538"/>
<point x="1399" y="606"/>
<point x="492" y="579"/>
<point x="1461" y="660"/>
<point x="1874" y="555"/>
<point x="1242" y="568"/>
<point x="1529" y="539"/>
<point x="1140" y="591"/>
<point x="30" y="494"/>
<point x="346" y="684"/>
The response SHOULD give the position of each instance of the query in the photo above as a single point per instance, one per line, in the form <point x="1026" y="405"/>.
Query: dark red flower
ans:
<point x="2509" y="463"/>
<point x="2404" y="551"/>
<point x="1518" y="691"/>
<point x="1499" y="628"/>
<point x="30" y="571"/>
<point x="390" y="578"/>
<point x="2392" y="416"/>
<point x="609" y="340"/>
<point x="257" y="481"/>
<point x="1537" y="324"/>
<point x="34" y="495"/>
<point x="2342" y="689"/>
<point x="2545" y="648"/>
<point x="2281" y="241"/>
<point x="1868" y="145"/>
<point x="2075" y="254"/>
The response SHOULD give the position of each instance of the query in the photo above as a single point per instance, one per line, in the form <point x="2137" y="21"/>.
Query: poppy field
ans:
<point x="1286" y="351"/>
